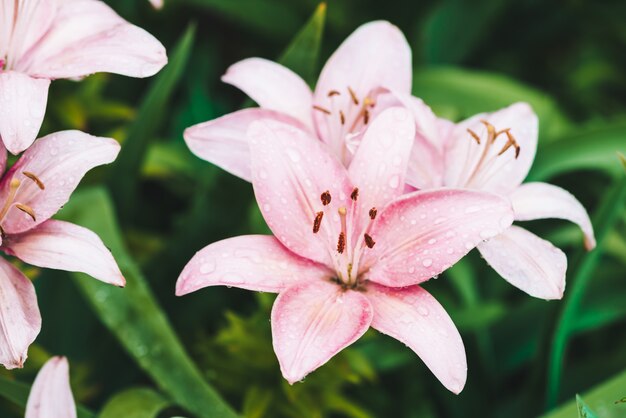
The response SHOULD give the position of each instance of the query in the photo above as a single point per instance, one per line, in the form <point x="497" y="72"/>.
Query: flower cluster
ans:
<point x="368" y="194"/>
<point x="43" y="40"/>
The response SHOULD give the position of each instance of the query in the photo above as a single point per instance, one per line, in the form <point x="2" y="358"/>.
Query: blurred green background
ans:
<point x="158" y="204"/>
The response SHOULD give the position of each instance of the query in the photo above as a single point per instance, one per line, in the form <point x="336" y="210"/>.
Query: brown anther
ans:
<point x="333" y="93"/>
<point x="474" y="135"/>
<point x="511" y="142"/>
<point x="342" y="117"/>
<point x="355" y="194"/>
<point x="26" y="209"/>
<point x="366" y="116"/>
<point x="373" y="213"/>
<point x="355" y="100"/>
<point x="491" y="130"/>
<point x="34" y="178"/>
<point x="317" y="222"/>
<point x="321" y="109"/>
<point x="369" y="241"/>
<point x="325" y="198"/>
<point x="341" y="243"/>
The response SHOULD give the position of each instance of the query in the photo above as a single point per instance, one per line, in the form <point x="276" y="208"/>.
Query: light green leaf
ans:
<point x="17" y="392"/>
<point x="126" y="169"/>
<point x="459" y="93"/>
<point x="134" y="317"/>
<point x="604" y="220"/>
<point x="135" y="403"/>
<point x="607" y="400"/>
<point x="589" y="148"/>
<point x="303" y="52"/>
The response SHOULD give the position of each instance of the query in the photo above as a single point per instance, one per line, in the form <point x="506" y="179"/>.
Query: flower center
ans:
<point x="345" y="120"/>
<point x="10" y="202"/>
<point x="345" y="253"/>
<point x="488" y="163"/>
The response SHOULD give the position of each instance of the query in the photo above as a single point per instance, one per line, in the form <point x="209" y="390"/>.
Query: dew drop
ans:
<point x="427" y="262"/>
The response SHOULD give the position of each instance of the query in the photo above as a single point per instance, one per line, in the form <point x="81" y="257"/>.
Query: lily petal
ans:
<point x="273" y="87"/>
<point x="65" y="246"/>
<point x="541" y="200"/>
<point x="423" y="233"/>
<point x="528" y="262"/>
<point x="20" y="321"/>
<point x="412" y="316"/>
<point x="223" y="141"/>
<point x="86" y="37"/>
<point x="59" y="161"/>
<point x="466" y="166"/>
<point x="379" y="166"/>
<point x="23" y="23"/>
<point x="23" y="105"/>
<point x="253" y="262"/>
<point x="290" y="171"/>
<point x="375" y="55"/>
<point x="51" y="394"/>
<point x="311" y="322"/>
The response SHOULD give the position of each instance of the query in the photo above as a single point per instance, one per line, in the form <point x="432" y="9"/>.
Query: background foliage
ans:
<point x="142" y="353"/>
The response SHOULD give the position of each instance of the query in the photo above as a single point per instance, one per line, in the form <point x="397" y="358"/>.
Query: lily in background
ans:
<point x="494" y="152"/>
<point x="33" y="190"/>
<point x="51" y="394"/>
<point x="351" y="90"/>
<point x="42" y="40"/>
<point x="349" y="249"/>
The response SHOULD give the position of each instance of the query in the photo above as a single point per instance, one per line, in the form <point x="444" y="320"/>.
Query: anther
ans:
<point x="325" y="198"/>
<point x="26" y="209"/>
<point x="511" y="142"/>
<point x="34" y="178"/>
<point x="491" y="130"/>
<point x="366" y="116"/>
<point x="321" y="109"/>
<point x="373" y="213"/>
<point x="355" y="194"/>
<point x="369" y="241"/>
<point x="333" y="93"/>
<point x="473" y="134"/>
<point x="317" y="222"/>
<point x="341" y="243"/>
<point x="342" y="117"/>
<point x="355" y="100"/>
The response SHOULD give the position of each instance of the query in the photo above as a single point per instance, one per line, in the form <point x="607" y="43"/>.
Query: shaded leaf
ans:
<point x="135" y="403"/>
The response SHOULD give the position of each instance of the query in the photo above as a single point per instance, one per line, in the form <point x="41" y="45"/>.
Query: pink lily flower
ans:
<point x="33" y="190"/>
<point x="494" y="152"/>
<point x="349" y="250"/>
<point x="348" y="95"/>
<point x="42" y="40"/>
<point x="51" y="394"/>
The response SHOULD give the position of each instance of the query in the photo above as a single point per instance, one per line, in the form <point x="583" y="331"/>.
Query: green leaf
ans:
<point x="590" y="148"/>
<point x="605" y="218"/>
<point x="135" y="403"/>
<point x="302" y="54"/>
<point x="17" y="392"/>
<point x="268" y="17"/>
<point x="134" y="317"/>
<point x="459" y="93"/>
<point x="608" y="400"/>
<point x="125" y="171"/>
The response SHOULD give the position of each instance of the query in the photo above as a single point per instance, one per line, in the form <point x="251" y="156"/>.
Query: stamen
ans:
<point x="355" y="100"/>
<point x="474" y="135"/>
<point x="26" y="209"/>
<point x="317" y="222"/>
<point x="321" y="109"/>
<point x="355" y="194"/>
<point x="368" y="101"/>
<point x="333" y="93"/>
<point x="369" y="241"/>
<point x="366" y="116"/>
<point x="342" y="117"/>
<point x="341" y="243"/>
<point x="491" y="130"/>
<point x="34" y="178"/>
<point x="373" y="213"/>
<point x="510" y="143"/>
<point x="326" y="198"/>
<point x="13" y="186"/>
